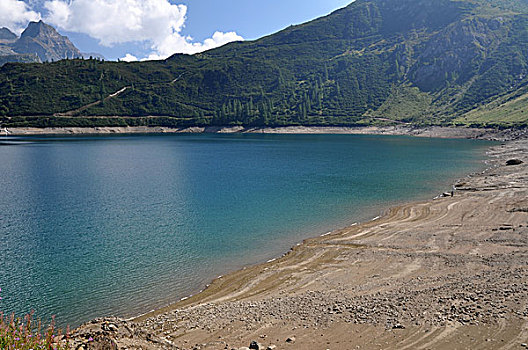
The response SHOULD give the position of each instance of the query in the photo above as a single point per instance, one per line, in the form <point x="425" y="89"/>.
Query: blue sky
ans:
<point x="253" y="18"/>
<point x="139" y="29"/>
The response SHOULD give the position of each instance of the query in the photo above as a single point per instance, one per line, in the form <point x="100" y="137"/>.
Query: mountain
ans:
<point x="46" y="42"/>
<point x="38" y="43"/>
<point x="7" y="35"/>
<point x="444" y="62"/>
<point x="6" y="57"/>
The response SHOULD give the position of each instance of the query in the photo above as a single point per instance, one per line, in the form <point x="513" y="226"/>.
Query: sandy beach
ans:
<point x="448" y="273"/>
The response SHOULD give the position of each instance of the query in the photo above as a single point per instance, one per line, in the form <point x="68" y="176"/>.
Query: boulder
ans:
<point x="103" y="343"/>
<point x="255" y="346"/>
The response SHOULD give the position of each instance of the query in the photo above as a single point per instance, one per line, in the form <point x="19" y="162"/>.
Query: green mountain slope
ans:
<point x="506" y="110"/>
<point x="417" y="61"/>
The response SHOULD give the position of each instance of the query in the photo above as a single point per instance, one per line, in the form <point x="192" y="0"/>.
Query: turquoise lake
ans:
<point x="103" y="225"/>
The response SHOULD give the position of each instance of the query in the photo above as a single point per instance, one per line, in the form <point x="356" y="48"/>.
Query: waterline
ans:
<point x="118" y="225"/>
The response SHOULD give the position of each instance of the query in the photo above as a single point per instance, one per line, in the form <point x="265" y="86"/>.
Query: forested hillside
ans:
<point x="409" y="61"/>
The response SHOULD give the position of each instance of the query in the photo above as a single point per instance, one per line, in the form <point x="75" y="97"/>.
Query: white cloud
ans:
<point x="129" y="58"/>
<point x="176" y="43"/>
<point x="15" y="15"/>
<point x="157" y="22"/>
<point x="117" y="21"/>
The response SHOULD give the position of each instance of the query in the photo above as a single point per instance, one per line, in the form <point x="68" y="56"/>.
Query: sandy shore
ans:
<point x="450" y="273"/>
<point x="433" y="131"/>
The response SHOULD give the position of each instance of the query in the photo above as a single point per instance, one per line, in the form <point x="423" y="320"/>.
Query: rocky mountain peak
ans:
<point x="39" y="29"/>
<point x="43" y="40"/>
<point x="6" y="34"/>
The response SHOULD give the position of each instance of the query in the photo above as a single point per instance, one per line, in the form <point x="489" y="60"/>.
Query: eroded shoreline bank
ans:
<point x="431" y="274"/>
<point x="433" y="131"/>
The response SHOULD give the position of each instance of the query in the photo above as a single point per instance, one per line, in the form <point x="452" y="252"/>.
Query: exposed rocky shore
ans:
<point x="450" y="273"/>
<point x="433" y="131"/>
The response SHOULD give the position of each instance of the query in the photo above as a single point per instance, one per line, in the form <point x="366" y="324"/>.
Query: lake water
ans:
<point x="102" y="225"/>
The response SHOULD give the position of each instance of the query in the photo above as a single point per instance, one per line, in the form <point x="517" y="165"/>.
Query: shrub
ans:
<point x="25" y="334"/>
